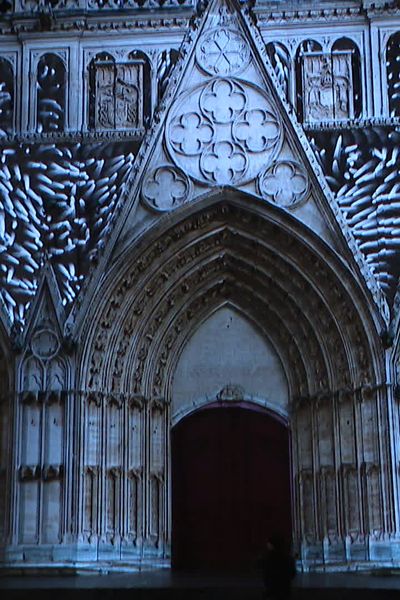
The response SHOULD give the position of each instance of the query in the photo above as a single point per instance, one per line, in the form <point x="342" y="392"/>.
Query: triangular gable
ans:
<point x="46" y="311"/>
<point x="224" y="121"/>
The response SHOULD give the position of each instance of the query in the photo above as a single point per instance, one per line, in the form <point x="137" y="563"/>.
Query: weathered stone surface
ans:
<point x="196" y="207"/>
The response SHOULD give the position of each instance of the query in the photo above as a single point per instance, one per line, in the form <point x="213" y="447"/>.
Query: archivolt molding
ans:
<point x="224" y="253"/>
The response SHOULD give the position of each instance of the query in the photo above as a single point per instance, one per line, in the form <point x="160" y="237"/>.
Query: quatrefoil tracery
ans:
<point x="223" y="132"/>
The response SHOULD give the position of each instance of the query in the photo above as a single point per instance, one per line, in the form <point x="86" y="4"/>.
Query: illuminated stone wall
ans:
<point x="196" y="204"/>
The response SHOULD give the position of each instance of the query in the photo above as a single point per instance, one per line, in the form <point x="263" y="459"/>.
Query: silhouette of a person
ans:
<point x="279" y="569"/>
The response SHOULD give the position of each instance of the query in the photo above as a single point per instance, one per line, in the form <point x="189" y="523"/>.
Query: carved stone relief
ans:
<point x="166" y="188"/>
<point x="327" y="86"/>
<point x="118" y="94"/>
<point x="285" y="183"/>
<point x="223" y="51"/>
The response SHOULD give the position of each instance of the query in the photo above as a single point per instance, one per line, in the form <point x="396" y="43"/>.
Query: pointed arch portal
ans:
<point x="293" y="297"/>
<point x="230" y="485"/>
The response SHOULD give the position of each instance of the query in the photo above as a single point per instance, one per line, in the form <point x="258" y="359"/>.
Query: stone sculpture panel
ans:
<point x="118" y="95"/>
<point x="327" y="86"/>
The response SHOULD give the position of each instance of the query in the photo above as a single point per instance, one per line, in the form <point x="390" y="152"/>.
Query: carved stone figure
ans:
<point x="327" y="86"/>
<point x="118" y="95"/>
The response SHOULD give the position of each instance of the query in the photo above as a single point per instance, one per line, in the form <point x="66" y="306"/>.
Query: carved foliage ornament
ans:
<point x="285" y="183"/>
<point x="223" y="132"/>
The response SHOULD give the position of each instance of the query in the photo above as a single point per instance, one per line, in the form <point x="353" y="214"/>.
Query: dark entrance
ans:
<point x="230" y="486"/>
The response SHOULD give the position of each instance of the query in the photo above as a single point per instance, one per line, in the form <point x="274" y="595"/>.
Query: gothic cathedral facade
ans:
<point x="199" y="269"/>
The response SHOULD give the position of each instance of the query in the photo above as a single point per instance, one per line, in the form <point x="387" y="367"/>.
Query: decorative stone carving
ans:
<point x="327" y="86"/>
<point x="45" y="344"/>
<point x="222" y="51"/>
<point x="223" y="132"/>
<point x="166" y="188"/>
<point x="118" y="94"/>
<point x="231" y="392"/>
<point x="285" y="183"/>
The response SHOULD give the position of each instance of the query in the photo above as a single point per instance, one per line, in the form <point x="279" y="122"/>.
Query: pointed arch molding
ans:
<point x="229" y="249"/>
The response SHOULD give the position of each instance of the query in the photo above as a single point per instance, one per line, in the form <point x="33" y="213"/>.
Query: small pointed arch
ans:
<point x="144" y="86"/>
<point x="280" y="60"/>
<point x="51" y="94"/>
<point x="340" y="48"/>
<point x="306" y="46"/>
<point x="7" y="97"/>
<point x="393" y="73"/>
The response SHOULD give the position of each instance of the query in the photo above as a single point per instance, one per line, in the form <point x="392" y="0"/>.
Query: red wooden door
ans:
<point x="230" y="486"/>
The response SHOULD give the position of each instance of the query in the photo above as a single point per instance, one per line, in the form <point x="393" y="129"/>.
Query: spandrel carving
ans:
<point x="51" y="81"/>
<point x="285" y="183"/>
<point x="166" y="188"/>
<point x="223" y="51"/>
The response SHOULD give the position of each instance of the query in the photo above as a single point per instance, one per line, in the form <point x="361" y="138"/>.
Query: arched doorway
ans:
<point x="230" y="486"/>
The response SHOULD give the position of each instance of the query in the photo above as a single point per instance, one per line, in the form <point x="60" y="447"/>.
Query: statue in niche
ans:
<point x="118" y="103"/>
<point x="327" y="86"/>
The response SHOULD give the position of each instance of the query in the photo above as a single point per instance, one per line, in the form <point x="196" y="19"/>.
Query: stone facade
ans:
<point x="197" y="204"/>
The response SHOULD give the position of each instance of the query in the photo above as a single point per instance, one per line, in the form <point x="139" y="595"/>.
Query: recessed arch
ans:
<point x="234" y="250"/>
<point x="225" y="351"/>
<point x="51" y="94"/>
<point x="217" y="242"/>
<point x="392" y="74"/>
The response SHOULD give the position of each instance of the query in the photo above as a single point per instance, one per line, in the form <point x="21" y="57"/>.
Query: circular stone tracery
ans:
<point x="285" y="183"/>
<point x="223" y="51"/>
<point x="224" y="132"/>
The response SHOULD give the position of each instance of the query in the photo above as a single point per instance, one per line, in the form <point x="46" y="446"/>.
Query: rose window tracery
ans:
<point x="224" y="132"/>
<point x="223" y="51"/>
